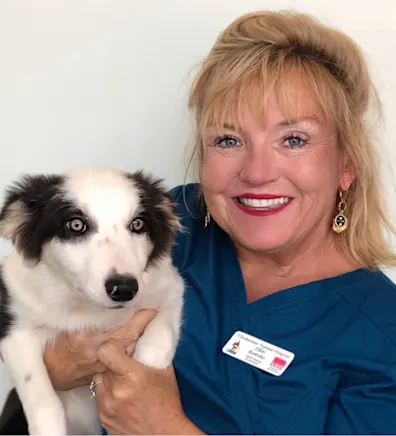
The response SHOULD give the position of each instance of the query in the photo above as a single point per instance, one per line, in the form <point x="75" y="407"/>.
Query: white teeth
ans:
<point x="262" y="203"/>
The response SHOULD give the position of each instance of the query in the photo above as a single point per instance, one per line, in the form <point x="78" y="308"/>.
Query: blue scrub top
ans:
<point x="342" y="331"/>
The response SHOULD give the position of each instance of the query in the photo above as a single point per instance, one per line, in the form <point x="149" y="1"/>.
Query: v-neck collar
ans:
<point x="286" y="297"/>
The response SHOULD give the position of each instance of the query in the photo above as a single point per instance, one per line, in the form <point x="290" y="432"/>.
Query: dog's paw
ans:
<point x="156" y="348"/>
<point x="158" y="357"/>
<point x="48" y="421"/>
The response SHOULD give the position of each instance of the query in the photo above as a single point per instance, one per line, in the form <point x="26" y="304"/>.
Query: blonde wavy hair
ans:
<point x="253" y="57"/>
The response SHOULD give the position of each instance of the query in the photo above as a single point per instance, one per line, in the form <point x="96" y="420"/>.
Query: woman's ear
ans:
<point x="348" y="176"/>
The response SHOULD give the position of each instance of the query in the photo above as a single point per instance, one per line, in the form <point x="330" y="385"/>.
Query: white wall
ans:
<point x="104" y="82"/>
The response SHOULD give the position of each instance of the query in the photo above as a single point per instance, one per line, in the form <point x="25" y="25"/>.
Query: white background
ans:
<point x="104" y="82"/>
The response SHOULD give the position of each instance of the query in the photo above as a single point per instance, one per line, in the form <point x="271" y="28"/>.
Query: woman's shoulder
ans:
<point x="189" y="207"/>
<point x="374" y="297"/>
<point x="186" y="199"/>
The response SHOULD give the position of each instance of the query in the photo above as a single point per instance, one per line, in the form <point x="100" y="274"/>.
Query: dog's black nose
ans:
<point x="121" y="287"/>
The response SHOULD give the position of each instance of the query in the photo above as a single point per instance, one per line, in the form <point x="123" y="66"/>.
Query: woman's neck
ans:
<point x="270" y="272"/>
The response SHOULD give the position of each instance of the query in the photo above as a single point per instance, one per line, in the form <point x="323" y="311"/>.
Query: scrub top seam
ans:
<point x="367" y="316"/>
<point x="291" y="304"/>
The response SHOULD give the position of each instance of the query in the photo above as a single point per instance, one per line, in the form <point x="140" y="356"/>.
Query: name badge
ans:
<point x="258" y="353"/>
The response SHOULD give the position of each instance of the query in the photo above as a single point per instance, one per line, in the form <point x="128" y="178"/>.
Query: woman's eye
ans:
<point x="295" y="141"/>
<point x="227" y="142"/>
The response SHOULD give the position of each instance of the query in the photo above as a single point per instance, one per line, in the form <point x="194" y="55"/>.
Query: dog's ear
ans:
<point x="157" y="195"/>
<point x="13" y="218"/>
<point x="168" y="207"/>
<point x="24" y="200"/>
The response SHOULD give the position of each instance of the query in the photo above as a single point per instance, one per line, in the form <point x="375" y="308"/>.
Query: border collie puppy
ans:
<point x="92" y="246"/>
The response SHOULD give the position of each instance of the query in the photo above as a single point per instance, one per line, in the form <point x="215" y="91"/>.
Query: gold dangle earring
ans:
<point x="340" y="221"/>
<point x="207" y="218"/>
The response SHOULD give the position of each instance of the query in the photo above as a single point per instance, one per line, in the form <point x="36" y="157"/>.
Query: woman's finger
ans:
<point x="114" y="358"/>
<point x="133" y="329"/>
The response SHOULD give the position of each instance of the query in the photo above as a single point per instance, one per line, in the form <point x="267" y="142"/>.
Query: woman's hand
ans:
<point x="72" y="360"/>
<point x="134" y="399"/>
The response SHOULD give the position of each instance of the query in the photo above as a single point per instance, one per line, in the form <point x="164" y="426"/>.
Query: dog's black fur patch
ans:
<point x="6" y="317"/>
<point x="157" y="212"/>
<point x="12" y="419"/>
<point x="44" y="211"/>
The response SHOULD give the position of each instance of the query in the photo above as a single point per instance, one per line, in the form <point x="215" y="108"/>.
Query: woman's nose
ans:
<point x="259" y="167"/>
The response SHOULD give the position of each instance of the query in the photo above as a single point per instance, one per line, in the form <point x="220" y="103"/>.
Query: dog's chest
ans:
<point x="51" y="322"/>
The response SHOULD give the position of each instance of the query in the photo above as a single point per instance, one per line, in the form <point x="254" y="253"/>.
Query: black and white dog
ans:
<point x="92" y="246"/>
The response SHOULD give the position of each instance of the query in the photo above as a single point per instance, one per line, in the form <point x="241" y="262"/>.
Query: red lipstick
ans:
<point x="258" y="212"/>
<point x="261" y="196"/>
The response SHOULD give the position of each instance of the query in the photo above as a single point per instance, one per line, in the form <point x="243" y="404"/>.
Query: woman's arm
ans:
<point x="364" y="405"/>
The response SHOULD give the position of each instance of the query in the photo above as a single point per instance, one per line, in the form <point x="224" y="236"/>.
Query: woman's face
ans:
<point x="273" y="186"/>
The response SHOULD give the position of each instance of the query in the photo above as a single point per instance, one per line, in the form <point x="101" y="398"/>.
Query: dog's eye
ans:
<point x="76" y="225"/>
<point x="137" y="225"/>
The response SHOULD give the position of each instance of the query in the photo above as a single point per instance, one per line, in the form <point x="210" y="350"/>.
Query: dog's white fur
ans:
<point x="64" y="292"/>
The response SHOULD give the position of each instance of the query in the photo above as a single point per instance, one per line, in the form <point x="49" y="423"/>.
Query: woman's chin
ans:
<point x="261" y="241"/>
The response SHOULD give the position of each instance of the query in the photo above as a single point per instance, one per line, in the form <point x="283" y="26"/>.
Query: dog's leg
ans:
<point x="157" y="345"/>
<point x="23" y="354"/>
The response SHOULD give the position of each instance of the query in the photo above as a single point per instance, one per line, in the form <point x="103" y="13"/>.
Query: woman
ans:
<point x="284" y="242"/>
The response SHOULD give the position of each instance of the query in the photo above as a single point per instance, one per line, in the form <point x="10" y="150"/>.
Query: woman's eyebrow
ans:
<point x="312" y="119"/>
